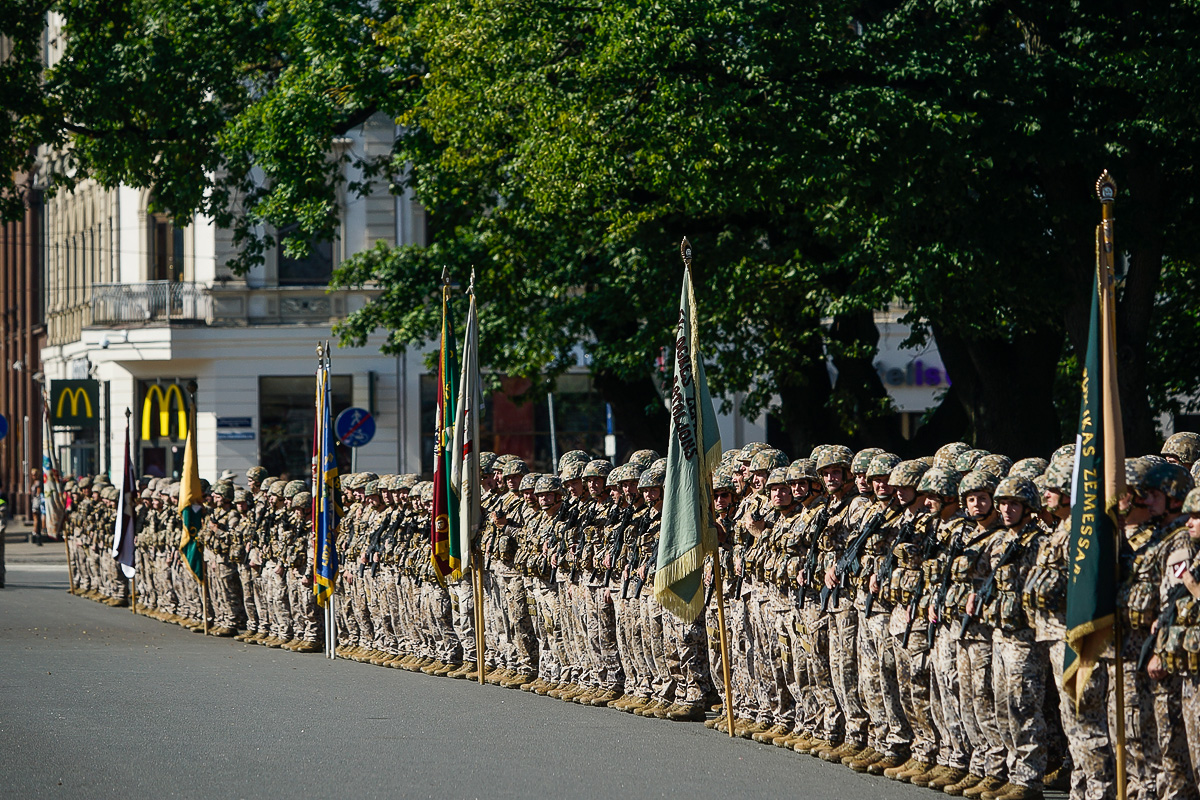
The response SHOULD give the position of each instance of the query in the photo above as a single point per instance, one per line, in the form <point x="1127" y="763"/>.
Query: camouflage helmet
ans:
<point x="966" y="460"/>
<point x="976" y="481"/>
<point x="146" y="494"/>
<point x="241" y="496"/>
<point x="70" y="486"/>
<point x="631" y="471"/>
<point x="778" y="477"/>
<point x="1196" y="472"/>
<point x="1184" y="446"/>
<point x="882" y="464"/>
<point x="487" y="461"/>
<point x="1028" y="468"/>
<point x="613" y="479"/>
<point x="292" y="488"/>
<point x="572" y="456"/>
<point x="426" y="492"/>
<point x="723" y="479"/>
<point x="302" y="500"/>
<point x="1135" y="473"/>
<point x="642" y="459"/>
<point x="767" y="460"/>
<point x="803" y="469"/>
<point x="907" y="473"/>
<point x="994" y="463"/>
<point x="547" y="483"/>
<point x="1020" y="489"/>
<point x="1151" y="459"/>
<point x="111" y="493"/>
<point x="862" y="459"/>
<point x="659" y="463"/>
<point x="515" y="466"/>
<point x="729" y="457"/>
<point x="406" y="481"/>
<point x="597" y="468"/>
<point x="256" y="474"/>
<point x="750" y="448"/>
<point x="1066" y="452"/>
<point x="277" y="488"/>
<point x="942" y="481"/>
<point x="652" y="478"/>
<point x="947" y="455"/>
<point x="835" y="455"/>
<point x="1058" y="476"/>
<point x="363" y="477"/>
<point x="84" y="482"/>
<point x="572" y="470"/>
<point x="1171" y="479"/>
<point x="369" y="489"/>
<point x="529" y="482"/>
<point x="173" y="491"/>
<point x="224" y="490"/>
<point x="1191" y="503"/>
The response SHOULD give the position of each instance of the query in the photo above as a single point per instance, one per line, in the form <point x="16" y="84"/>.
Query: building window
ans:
<point x="524" y="429"/>
<point x="287" y="411"/>
<point x="166" y="250"/>
<point x="162" y="420"/>
<point x="314" y="270"/>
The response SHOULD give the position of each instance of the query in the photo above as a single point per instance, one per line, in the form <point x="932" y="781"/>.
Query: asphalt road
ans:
<point x="96" y="702"/>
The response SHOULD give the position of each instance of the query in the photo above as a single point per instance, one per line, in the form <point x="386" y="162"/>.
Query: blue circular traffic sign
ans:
<point x="3" y="426"/>
<point x="354" y="427"/>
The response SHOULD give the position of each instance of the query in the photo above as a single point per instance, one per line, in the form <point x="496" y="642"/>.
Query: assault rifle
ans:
<point x="913" y="605"/>
<point x="1165" y="619"/>
<point x="810" y="563"/>
<point x="755" y="516"/>
<point x="568" y="513"/>
<point x="584" y="524"/>
<point x="939" y="599"/>
<point x="849" y="562"/>
<point x="634" y="564"/>
<point x="620" y="518"/>
<point x="907" y="529"/>
<point x="638" y="580"/>
<point x="984" y="595"/>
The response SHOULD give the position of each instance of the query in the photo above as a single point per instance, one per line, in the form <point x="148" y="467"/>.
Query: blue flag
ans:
<point x="325" y="500"/>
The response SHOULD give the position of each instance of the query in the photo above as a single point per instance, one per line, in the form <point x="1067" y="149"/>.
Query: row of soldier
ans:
<point x="905" y="618"/>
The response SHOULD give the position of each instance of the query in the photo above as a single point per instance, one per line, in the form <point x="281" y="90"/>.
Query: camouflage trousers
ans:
<point x="277" y="597"/>
<point x="306" y="615"/>
<point x="602" y="631"/>
<point x="633" y="665"/>
<point x="844" y="664"/>
<point x="650" y="615"/>
<point x="1190" y="701"/>
<point x="1093" y="776"/>
<point x="1175" y="781"/>
<point x="812" y="639"/>
<point x="542" y="610"/>
<point x="187" y="591"/>
<point x="777" y="704"/>
<point x="225" y="593"/>
<point x="436" y="614"/>
<point x="977" y="701"/>
<point x="245" y="577"/>
<point x="496" y="638"/>
<point x="571" y="601"/>
<point x="462" y="606"/>
<point x="1019" y="686"/>
<point x="375" y="580"/>
<point x="521" y="652"/>
<point x="913" y="677"/>
<point x="953" y="745"/>
<point x="743" y="656"/>
<point x="686" y="649"/>
<point x="878" y="686"/>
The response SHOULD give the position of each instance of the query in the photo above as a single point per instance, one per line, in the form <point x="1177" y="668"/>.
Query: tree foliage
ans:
<point x="825" y="158"/>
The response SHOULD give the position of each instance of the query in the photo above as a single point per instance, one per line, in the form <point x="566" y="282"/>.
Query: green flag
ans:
<point x="1099" y="478"/>
<point x="688" y="530"/>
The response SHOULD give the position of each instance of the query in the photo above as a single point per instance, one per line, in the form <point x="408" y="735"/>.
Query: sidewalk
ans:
<point x="18" y="550"/>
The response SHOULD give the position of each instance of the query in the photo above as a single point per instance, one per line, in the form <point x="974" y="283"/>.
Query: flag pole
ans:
<point x="125" y="489"/>
<point x="1106" y="190"/>
<point x="477" y="587"/>
<point x="331" y="606"/>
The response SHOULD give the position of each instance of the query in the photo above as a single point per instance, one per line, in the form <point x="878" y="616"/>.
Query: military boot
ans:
<point x="989" y="783"/>
<point x="925" y="779"/>
<point x="863" y="760"/>
<point x="892" y="772"/>
<point x="949" y="777"/>
<point x="884" y="764"/>
<point x="1023" y="793"/>
<point x="967" y="782"/>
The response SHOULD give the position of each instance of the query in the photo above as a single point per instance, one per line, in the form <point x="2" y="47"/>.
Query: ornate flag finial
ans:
<point x="1106" y="188"/>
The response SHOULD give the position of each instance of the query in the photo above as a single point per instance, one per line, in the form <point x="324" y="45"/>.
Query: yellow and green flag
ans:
<point x="191" y="503"/>
<point x="688" y="530"/>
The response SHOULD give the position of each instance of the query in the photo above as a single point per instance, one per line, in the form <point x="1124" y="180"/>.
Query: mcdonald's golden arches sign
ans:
<point x="75" y="403"/>
<point x="170" y="403"/>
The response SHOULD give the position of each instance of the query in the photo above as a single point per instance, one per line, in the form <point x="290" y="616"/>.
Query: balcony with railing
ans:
<point x="150" y="303"/>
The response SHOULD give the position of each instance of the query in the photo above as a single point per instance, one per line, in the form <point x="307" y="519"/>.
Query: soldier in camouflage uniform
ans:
<point x="1180" y="650"/>
<point x="218" y="535"/>
<point x="306" y="618"/>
